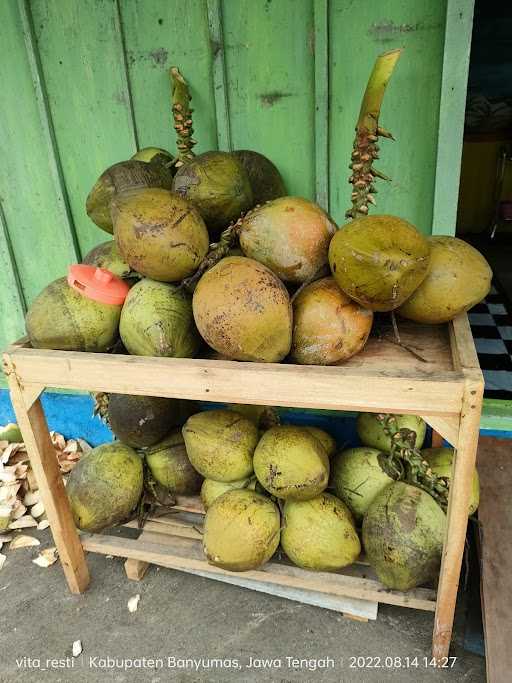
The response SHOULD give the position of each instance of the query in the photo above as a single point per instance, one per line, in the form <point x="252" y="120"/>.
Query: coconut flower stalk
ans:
<point x="368" y="131"/>
<point x="182" y="117"/>
<point x="406" y="463"/>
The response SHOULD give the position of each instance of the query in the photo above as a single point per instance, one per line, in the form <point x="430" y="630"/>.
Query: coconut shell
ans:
<point x="371" y="430"/>
<point x="220" y="444"/>
<point x="327" y="441"/>
<point x="211" y="489"/>
<point x="289" y="235"/>
<point x="319" y="534"/>
<point x="217" y="185"/>
<point x="328" y="326"/>
<point x="440" y="461"/>
<point x="105" y="486"/>
<point x="458" y="279"/>
<point x="357" y="477"/>
<point x="159" y="234"/>
<point x="379" y="260"/>
<point x="106" y="255"/>
<point x="266" y="181"/>
<point x="120" y="177"/>
<point x="241" y="530"/>
<point x="61" y="318"/>
<point x="142" y="421"/>
<point x="403" y="535"/>
<point x="157" y="320"/>
<point x="243" y="311"/>
<point x="171" y="467"/>
<point x="290" y="462"/>
<point x="153" y="155"/>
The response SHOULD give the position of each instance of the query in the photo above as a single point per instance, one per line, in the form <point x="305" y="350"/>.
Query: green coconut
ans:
<point x="371" y="430"/>
<point x="218" y="185"/>
<point x="403" y="535"/>
<point x="11" y="433"/>
<point x="289" y="235"/>
<point x="319" y="534"/>
<point x="266" y="181"/>
<point x="105" y="486"/>
<point x="153" y="155"/>
<point x="171" y="467"/>
<point x="157" y="320"/>
<point x="243" y="311"/>
<point x="61" y="318"/>
<point x="458" y="279"/>
<point x="327" y="441"/>
<point x="159" y="234"/>
<point x="120" y="177"/>
<point x="220" y="444"/>
<point x="241" y="530"/>
<point x="141" y="421"/>
<point x="211" y="489"/>
<point x="290" y="462"/>
<point x="379" y="260"/>
<point x="106" y="255"/>
<point x="328" y="326"/>
<point x="440" y="461"/>
<point x="357" y="477"/>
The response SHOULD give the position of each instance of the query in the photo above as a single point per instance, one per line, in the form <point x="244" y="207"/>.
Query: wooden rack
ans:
<point x="446" y="391"/>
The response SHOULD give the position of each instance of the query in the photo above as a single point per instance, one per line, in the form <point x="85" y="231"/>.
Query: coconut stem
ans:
<point x="406" y="463"/>
<point x="368" y="132"/>
<point x="182" y="115"/>
<point x="218" y="250"/>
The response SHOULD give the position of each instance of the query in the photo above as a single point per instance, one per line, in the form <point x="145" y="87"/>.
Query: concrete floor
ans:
<point x="183" y="616"/>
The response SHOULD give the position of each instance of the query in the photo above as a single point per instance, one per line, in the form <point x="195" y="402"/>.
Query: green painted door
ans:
<point x="85" y="82"/>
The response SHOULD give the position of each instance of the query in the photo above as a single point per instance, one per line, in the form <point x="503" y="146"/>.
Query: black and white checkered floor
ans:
<point x="491" y="323"/>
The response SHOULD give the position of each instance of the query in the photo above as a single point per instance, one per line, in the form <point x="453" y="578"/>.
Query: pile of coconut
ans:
<point x="21" y="508"/>
<point x="266" y="485"/>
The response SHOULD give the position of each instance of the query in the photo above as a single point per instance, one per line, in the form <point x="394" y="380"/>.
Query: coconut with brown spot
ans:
<point x="160" y="235"/>
<point x="289" y="235"/>
<point x="379" y="260"/>
<point x="328" y="326"/>
<point x="243" y="311"/>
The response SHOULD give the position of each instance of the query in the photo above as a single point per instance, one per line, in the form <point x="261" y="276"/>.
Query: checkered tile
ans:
<point x="491" y="324"/>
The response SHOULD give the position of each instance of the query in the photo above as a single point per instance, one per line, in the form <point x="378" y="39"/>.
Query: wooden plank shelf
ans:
<point x="446" y="389"/>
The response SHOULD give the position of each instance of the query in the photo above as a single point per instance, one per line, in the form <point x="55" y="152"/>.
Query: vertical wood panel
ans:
<point x="457" y="47"/>
<point x="220" y="85"/>
<point x="12" y="301"/>
<point x="81" y="51"/>
<point x="358" y="33"/>
<point x="160" y="34"/>
<point x="322" y="102"/>
<point x="32" y="203"/>
<point x="270" y="70"/>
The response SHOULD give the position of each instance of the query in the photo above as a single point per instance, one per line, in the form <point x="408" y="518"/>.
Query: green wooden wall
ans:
<point x="84" y="83"/>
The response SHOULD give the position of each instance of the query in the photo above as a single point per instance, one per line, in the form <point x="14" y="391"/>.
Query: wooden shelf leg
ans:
<point x="33" y="426"/>
<point x="457" y="515"/>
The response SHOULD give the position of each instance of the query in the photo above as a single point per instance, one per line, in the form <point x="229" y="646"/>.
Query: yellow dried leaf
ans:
<point x="37" y="510"/>
<point x="18" y="510"/>
<point x="2" y="560"/>
<point x="58" y="441"/>
<point x="71" y="446"/>
<point x="31" y="498"/>
<point x="43" y="524"/>
<point x="46" y="557"/>
<point x="23" y="522"/>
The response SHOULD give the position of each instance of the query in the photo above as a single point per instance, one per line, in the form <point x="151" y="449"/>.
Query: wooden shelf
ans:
<point x="446" y="391"/>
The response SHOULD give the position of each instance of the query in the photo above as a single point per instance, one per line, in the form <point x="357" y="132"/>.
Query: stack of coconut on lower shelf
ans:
<point x="266" y="485"/>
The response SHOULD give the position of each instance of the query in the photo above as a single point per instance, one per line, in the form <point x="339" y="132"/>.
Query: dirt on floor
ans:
<point x="188" y="628"/>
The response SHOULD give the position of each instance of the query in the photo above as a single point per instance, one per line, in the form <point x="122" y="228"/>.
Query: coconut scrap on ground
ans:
<point x="21" y="508"/>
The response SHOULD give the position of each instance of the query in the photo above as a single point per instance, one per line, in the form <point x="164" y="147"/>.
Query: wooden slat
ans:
<point x="457" y="517"/>
<point x="464" y="343"/>
<point x="220" y="87"/>
<point x="350" y="607"/>
<point x="321" y="18"/>
<point x="446" y="427"/>
<point x="45" y="466"/>
<point x="457" y="47"/>
<point x="495" y="518"/>
<point x="339" y="388"/>
<point x="186" y="554"/>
